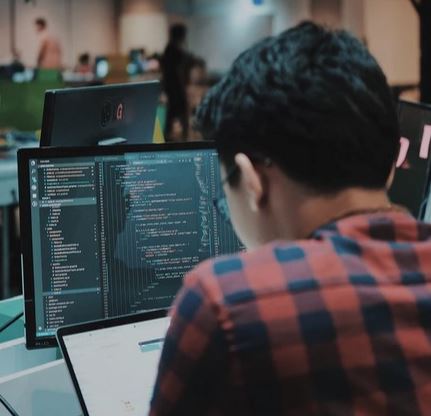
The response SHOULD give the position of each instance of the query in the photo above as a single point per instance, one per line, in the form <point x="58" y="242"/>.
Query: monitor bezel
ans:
<point x="91" y="92"/>
<point x="414" y="104"/>
<point x="24" y="156"/>
<point x="94" y="326"/>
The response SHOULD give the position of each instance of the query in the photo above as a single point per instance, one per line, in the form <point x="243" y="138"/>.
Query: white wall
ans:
<point x="93" y="28"/>
<point x="220" y="30"/>
<point x="226" y="7"/>
<point x="4" y="32"/>
<point x="288" y="13"/>
<point x="143" y="23"/>
<point x="392" y="34"/>
<point x="142" y="6"/>
<point x="80" y="25"/>
<point x="220" y="39"/>
<point x="327" y="12"/>
<point x="353" y="17"/>
<point x="143" y="30"/>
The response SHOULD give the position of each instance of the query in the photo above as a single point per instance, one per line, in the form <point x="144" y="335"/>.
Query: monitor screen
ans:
<point x="136" y="63"/>
<point x="98" y="115"/>
<point x="101" y="66"/>
<point x="114" y="369"/>
<point x="426" y="216"/>
<point x="409" y="184"/>
<point x="113" y="232"/>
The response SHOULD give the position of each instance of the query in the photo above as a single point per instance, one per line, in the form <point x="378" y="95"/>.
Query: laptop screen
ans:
<point x="116" y="367"/>
<point x="109" y="232"/>
<point x="411" y="174"/>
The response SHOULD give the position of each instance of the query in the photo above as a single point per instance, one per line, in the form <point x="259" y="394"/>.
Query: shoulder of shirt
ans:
<point x="270" y="252"/>
<point x="346" y="236"/>
<point x="233" y="276"/>
<point x="220" y="275"/>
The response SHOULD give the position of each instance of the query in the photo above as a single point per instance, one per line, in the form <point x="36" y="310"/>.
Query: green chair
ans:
<point x="21" y="104"/>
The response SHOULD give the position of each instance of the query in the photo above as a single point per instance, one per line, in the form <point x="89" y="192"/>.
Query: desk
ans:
<point x="8" y="309"/>
<point x="44" y="390"/>
<point x="35" y="382"/>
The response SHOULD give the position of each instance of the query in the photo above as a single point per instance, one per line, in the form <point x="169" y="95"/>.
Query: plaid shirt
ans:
<point x="339" y="324"/>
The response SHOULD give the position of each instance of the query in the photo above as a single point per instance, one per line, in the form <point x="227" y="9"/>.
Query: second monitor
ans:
<point x="100" y="115"/>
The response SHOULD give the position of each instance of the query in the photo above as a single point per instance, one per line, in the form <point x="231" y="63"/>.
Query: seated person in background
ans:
<point x="16" y="64"/>
<point x="50" y="55"/>
<point x="153" y="63"/>
<point x="329" y="312"/>
<point x="84" y="66"/>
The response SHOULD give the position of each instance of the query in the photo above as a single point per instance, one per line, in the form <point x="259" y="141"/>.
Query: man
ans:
<point x="329" y="312"/>
<point x="49" y="56"/>
<point x="84" y="66"/>
<point x="176" y="64"/>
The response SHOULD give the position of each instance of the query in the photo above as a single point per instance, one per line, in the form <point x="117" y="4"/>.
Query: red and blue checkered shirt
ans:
<point x="339" y="324"/>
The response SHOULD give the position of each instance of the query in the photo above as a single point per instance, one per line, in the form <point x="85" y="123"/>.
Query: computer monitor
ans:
<point x="101" y="67"/>
<point x="111" y="230"/>
<point x="410" y="179"/>
<point x="136" y="63"/>
<point x="97" y="115"/>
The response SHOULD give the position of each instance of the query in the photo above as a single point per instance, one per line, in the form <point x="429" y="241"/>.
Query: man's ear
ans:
<point x="251" y="181"/>
<point x="390" y="178"/>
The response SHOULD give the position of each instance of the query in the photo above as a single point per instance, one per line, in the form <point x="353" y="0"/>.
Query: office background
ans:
<point x="218" y="29"/>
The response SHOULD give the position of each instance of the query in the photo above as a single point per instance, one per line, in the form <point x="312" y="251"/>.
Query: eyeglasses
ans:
<point x="220" y="202"/>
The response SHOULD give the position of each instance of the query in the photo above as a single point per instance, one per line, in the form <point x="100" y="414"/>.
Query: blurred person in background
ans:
<point x="50" y="54"/>
<point x="196" y="90"/>
<point x="139" y="58"/>
<point x="176" y="66"/>
<point x="16" y="64"/>
<point x="84" y="66"/>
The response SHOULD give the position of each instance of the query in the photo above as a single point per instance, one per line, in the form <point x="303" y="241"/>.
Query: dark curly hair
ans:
<point x="314" y="101"/>
<point x="41" y="21"/>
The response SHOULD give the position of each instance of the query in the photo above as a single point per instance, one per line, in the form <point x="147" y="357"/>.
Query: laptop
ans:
<point x="113" y="363"/>
<point x="412" y="167"/>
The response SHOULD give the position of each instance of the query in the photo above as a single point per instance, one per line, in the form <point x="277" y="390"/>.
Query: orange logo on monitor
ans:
<point x="120" y="110"/>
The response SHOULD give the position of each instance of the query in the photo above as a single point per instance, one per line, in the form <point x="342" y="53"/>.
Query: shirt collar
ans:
<point x="394" y="225"/>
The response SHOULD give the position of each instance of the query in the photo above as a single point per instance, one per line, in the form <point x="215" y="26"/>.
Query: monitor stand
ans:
<point x="112" y="141"/>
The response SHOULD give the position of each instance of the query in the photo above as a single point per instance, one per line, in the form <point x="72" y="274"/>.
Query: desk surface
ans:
<point x="8" y="309"/>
